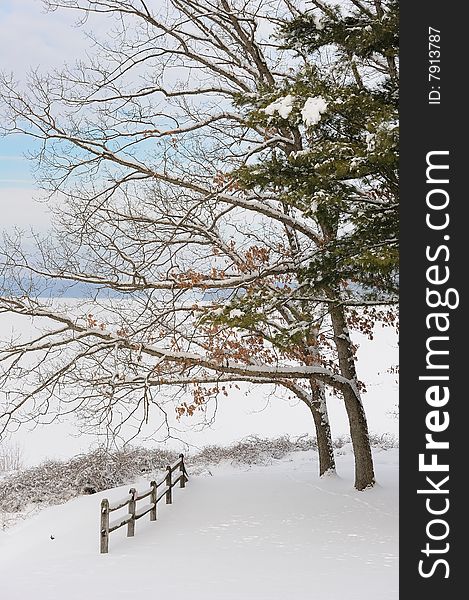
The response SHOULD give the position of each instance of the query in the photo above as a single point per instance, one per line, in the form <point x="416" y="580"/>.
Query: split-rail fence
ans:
<point x="158" y="491"/>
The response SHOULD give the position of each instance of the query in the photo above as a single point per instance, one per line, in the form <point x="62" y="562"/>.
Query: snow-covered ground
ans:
<point x="274" y="532"/>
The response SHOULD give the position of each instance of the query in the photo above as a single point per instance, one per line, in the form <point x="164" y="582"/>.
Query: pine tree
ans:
<point x="342" y="167"/>
<point x="336" y="163"/>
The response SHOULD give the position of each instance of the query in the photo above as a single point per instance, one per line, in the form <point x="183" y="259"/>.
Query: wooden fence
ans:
<point x="155" y="494"/>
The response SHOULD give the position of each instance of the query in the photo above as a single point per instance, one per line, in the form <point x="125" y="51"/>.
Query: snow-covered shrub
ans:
<point x="54" y="482"/>
<point x="341" y="441"/>
<point x="253" y="450"/>
<point x="383" y="441"/>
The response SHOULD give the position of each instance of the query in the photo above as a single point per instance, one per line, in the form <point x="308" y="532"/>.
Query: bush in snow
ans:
<point x="378" y="441"/>
<point x="54" y="482"/>
<point x="252" y="450"/>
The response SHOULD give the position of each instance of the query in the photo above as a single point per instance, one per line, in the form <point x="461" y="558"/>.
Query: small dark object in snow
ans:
<point x="52" y="537"/>
<point x="89" y="489"/>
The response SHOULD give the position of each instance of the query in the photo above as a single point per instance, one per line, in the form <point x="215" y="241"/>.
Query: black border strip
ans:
<point x="433" y="119"/>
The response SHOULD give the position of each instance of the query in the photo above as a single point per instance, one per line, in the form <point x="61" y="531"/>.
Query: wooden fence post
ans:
<point x="132" y="504"/>
<point x="182" y="481"/>
<point x="104" y="533"/>
<point x="153" y="497"/>
<point x="169" y="493"/>
<point x="132" y="508"/>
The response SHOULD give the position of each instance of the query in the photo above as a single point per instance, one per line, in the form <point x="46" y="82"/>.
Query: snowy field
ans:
<point x="274" y="532"/>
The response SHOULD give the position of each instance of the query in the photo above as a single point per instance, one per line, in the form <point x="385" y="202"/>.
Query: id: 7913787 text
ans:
<point x="434" y="67"/>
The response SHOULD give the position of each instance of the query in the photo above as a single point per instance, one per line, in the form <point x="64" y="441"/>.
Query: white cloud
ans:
<point x="20" y="207"/>
<point x="30" y="37"/>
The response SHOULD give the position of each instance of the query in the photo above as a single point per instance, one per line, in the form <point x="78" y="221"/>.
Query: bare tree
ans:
<point x="139" y="149"/>
<point x="11" y="457"/>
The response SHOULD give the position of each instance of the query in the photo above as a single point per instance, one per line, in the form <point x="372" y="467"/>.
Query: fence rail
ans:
<point x="133" y="514"/>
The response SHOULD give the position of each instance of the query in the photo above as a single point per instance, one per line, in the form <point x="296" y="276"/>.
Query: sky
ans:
<point x="30" y="38"/>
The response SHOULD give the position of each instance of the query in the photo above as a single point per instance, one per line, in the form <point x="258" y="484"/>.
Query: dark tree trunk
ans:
<point x="323" y="430"/>
<point x="364" y="470"/>
<point x="316" y="402"/>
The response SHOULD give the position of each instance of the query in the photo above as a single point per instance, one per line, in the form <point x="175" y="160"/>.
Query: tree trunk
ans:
<point x="323" y="430"/>
<point x="364" y="471"/>
<point x="316" y="402"/>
